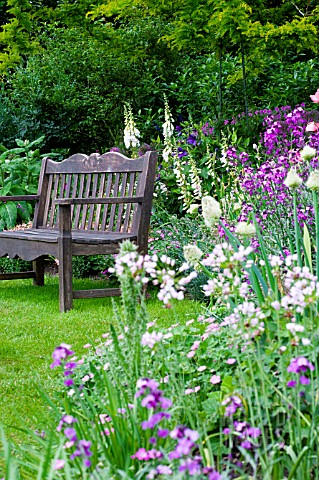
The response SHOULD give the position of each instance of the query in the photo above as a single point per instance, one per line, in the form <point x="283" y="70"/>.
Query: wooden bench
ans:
<point x="86" y="205"/>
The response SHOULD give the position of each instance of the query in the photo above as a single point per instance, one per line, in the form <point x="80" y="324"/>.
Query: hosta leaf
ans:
<point x="8" y="213"/>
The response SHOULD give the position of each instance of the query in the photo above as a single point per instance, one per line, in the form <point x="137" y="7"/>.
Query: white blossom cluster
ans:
<point x="150" y="339"/>
<point x="131" y="133"/>
<point x="158" y="270"/>
<point x="302" y="289"/>
<point x="168" y="130"/>
<point x="247" y="319"/>
<point x="230" y="268"/>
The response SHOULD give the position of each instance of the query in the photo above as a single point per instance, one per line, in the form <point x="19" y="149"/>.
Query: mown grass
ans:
<point x="31" y="326"/>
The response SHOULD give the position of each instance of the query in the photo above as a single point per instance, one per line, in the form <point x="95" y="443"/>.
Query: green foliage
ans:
<point x="9" y="265"/>
<point x="19" y="175"/>
<point x="84" y="266"/>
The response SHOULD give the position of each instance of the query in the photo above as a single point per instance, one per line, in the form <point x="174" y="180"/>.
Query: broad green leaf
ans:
<point x="8" y="212"/>
<point x="20" y="143"/>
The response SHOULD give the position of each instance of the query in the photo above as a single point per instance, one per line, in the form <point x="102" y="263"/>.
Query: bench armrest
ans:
<point x="20" y="198"/>
<point x="96" y="201"/>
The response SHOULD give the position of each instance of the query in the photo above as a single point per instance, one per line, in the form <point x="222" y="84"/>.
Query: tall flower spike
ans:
<point x="168" y="130"/>
<point x="131" y="133"/>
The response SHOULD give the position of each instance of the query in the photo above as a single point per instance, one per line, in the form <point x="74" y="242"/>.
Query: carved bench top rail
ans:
<point x="107" y="163"/>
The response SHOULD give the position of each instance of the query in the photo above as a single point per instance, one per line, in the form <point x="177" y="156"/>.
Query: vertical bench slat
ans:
<point x="98" y="207"/>
<point x="54" y="196"/>
<point x="113" y="207"/>
<point x="130" y="193"/>
<point x="121" y="206"/>
<point x="93" y="194"/>
<point x="105" y="207"/>
<point x="47" y="200"/>
<point x="67" y="186"/>
<point x="86" y="195"/>
<point x="79" y="194"/>
<point x="73" y="194"/>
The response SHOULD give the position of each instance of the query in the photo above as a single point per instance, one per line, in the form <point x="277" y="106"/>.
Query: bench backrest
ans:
<point x="112" y="176"/>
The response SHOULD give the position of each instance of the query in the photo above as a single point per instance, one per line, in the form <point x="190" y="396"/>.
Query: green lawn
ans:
<point x="31" y="326"/>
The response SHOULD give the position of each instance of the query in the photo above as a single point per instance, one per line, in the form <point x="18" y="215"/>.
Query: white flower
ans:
<point x="192" y="254"/>
<point x="313" y="181"/>
<point x="293" y="180"/>
<point x="294" y="328"/>
<point x="149" y="339"/>
<point x="193" y="209"/>
<point x="307" y="153"/>
<point x="245" y="229"/>
<point x="211" y="211"/>
<point x="131" y="133"/>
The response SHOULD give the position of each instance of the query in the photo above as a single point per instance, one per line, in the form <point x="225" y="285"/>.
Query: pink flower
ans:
<point x="59" y="464"/>
<point x="315" y="97"/>
<point x="191" y="354"/>
<point x="188" y="391"/>
<point x="215" y="379"/>
<point x="312" y="127"/>
<point x="230" y="361"/>
<point x="201" y="368"/>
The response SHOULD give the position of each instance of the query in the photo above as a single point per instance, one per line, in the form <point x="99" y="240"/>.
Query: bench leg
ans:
<point x="65" y="283"/>
<point x="38" y="267"/>
<point x="65" y="259"/>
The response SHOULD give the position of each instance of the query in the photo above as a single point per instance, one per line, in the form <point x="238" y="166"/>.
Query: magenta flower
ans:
<point x="61" y="353"/>
<point x="291" y="383"/>
<point x="300" y="365"/>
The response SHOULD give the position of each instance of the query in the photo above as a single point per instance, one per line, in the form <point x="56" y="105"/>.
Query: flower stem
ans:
<point x="297" y="231"/>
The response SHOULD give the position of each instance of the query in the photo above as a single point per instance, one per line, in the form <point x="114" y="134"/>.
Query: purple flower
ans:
<point x="304" y="380"/>
<point x="299" y="365"/>
<point x="233" y="404"/>
<point x="291" y="383"/>
<point x="192" y="140"/>
<point x="163" y="433"/>
<point x="192" y="466"/>
<point x="181" y="152"/>
<point x="211" y="473"/>
<point x="246" y="444"/>
<point x="154" y="420"/>
<point x="70" y="433"/>
<point x="68" y="382"/>
<point x="60" y="353"/>
<point x="145" y="455"/>
<point x="68" y="419"/>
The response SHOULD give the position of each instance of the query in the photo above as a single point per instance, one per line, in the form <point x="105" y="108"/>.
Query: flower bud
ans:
<point x="307" y="153"/>
<point x="193" y="209"/>
<point x="313" y="181"/>
<point x="245" y="229"/>
<point x="211" y="211"/>
<point x="192" y="254"/>
<point x="293" y="180"/>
